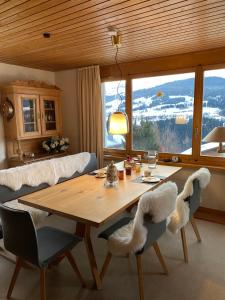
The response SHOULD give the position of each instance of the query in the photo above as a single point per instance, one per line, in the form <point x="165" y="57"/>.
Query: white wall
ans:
<point x="9" y="73"/>
<point x="65" y="80"/>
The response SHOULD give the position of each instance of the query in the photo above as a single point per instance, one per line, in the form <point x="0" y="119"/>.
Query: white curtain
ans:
<point x="88" y="91"/>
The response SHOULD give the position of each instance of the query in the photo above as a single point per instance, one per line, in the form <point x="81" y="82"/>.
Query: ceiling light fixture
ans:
<point x="117" y="121"/>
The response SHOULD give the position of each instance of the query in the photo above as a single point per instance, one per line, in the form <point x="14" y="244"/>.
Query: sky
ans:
<point x="218" y="73"/>
<point x="149" y="82"/>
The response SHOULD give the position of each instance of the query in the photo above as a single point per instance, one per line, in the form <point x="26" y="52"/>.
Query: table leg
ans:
<point x="80" y="229"/>
<point x="91" y="256"/>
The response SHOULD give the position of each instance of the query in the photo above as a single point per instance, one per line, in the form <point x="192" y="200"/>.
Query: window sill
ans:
<point x="216" y="166"/>
<point x="192" y="165"/>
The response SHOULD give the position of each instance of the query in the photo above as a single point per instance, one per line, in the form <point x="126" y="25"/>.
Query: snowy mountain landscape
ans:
<point x="154" y="117"/>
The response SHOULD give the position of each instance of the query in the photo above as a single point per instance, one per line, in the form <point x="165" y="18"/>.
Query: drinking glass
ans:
<point x="152" y="158"/>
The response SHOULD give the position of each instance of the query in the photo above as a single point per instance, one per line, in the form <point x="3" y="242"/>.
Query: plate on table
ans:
<point x="99" y="171"/>
<point x="150" y="179"/>
<point x="100" y="175"/>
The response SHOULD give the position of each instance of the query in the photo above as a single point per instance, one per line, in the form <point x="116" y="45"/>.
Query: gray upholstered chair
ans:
<point x="187" y="203"/>
<point x="167" y="193"/>
<point x="39" y="247"/>
<point x="194" y="203"/>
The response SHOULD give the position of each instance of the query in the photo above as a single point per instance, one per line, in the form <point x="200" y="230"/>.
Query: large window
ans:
<point x="162" y="113"/>
<point x="213" y="115"/>
<point x="182" y="114"/>
<point x="114" y="98"/>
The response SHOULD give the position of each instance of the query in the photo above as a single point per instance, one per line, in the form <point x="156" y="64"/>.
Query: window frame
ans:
<point x="195" y="159"/>
<point x="104" y="117"/>
<point x="204" y="159"/>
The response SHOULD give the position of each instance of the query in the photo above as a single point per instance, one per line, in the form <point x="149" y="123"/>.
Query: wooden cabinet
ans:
<point x="36" y="116"/>
<point x="37" y="112"/>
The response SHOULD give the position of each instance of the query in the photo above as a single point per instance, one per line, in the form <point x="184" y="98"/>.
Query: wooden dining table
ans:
<point x="90" y="203"/>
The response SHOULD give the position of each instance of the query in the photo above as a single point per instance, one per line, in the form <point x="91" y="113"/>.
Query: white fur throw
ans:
<point x="66" y="166"/>
<point x="48" y="171"/>
<point x="159" y="204"/>
<point x="37" y="215"/>
<point x="180" y="217"/>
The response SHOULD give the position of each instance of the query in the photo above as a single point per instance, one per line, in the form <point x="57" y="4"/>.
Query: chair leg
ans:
<point x="160" y="257"/>
<point x="42" y="284"/>
<point x="14" y="277"/>
<point x="194" y="225"/>
<point x="140" y="277"/>
<point x="184" y="243"/>
<point x="75" y="268"/>
<point x="105" y="265"/>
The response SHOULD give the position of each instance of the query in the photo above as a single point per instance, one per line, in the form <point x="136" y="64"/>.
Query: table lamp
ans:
<point x="216" y="135"/>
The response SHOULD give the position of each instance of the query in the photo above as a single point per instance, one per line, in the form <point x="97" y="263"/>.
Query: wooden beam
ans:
<point x="173" y="62"/>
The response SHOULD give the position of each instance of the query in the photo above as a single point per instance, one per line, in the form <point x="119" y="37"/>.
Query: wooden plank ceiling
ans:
<point x="150" y="28"/>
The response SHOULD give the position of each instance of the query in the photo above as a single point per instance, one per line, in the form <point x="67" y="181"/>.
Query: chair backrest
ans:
<point x="194" y="199"/>
<point x="156" y="206"/>
<point x="154" y="231"/>
<point x="19" y="234"/>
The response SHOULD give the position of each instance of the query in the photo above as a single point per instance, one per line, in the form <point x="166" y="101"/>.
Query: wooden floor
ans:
<point x="202" y="279"/>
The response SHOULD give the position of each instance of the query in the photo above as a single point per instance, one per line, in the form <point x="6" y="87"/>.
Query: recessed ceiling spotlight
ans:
<point x="46" y="35"/>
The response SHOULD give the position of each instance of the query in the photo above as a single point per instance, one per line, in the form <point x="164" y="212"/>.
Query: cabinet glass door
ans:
<point x="30" y="116"/>
<point x="50" y="115"/>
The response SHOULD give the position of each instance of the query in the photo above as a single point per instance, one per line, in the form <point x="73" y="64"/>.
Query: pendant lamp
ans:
<point x="117" y="121"/>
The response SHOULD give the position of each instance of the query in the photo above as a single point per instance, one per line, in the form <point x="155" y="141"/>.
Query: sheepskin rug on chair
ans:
<point x="159" y="204"/>
<point x="180" y="217"/>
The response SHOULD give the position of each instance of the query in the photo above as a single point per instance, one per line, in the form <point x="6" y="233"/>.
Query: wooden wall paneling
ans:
<point x="79" y="30"/>
<point x="25" y="10"/>
<point x="13" y="4"/>
<point x="66" y="18"/>
<point x="146" y="28"/>
<point x="173" y="62"/>
<point x="78" y="25"/>
<point x="159" y="43"/>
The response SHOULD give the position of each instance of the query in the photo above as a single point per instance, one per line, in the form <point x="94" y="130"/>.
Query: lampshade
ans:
<point x="118" y="123"/>
<point x="181" y="120"/>
<point x="216" y="135"/>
